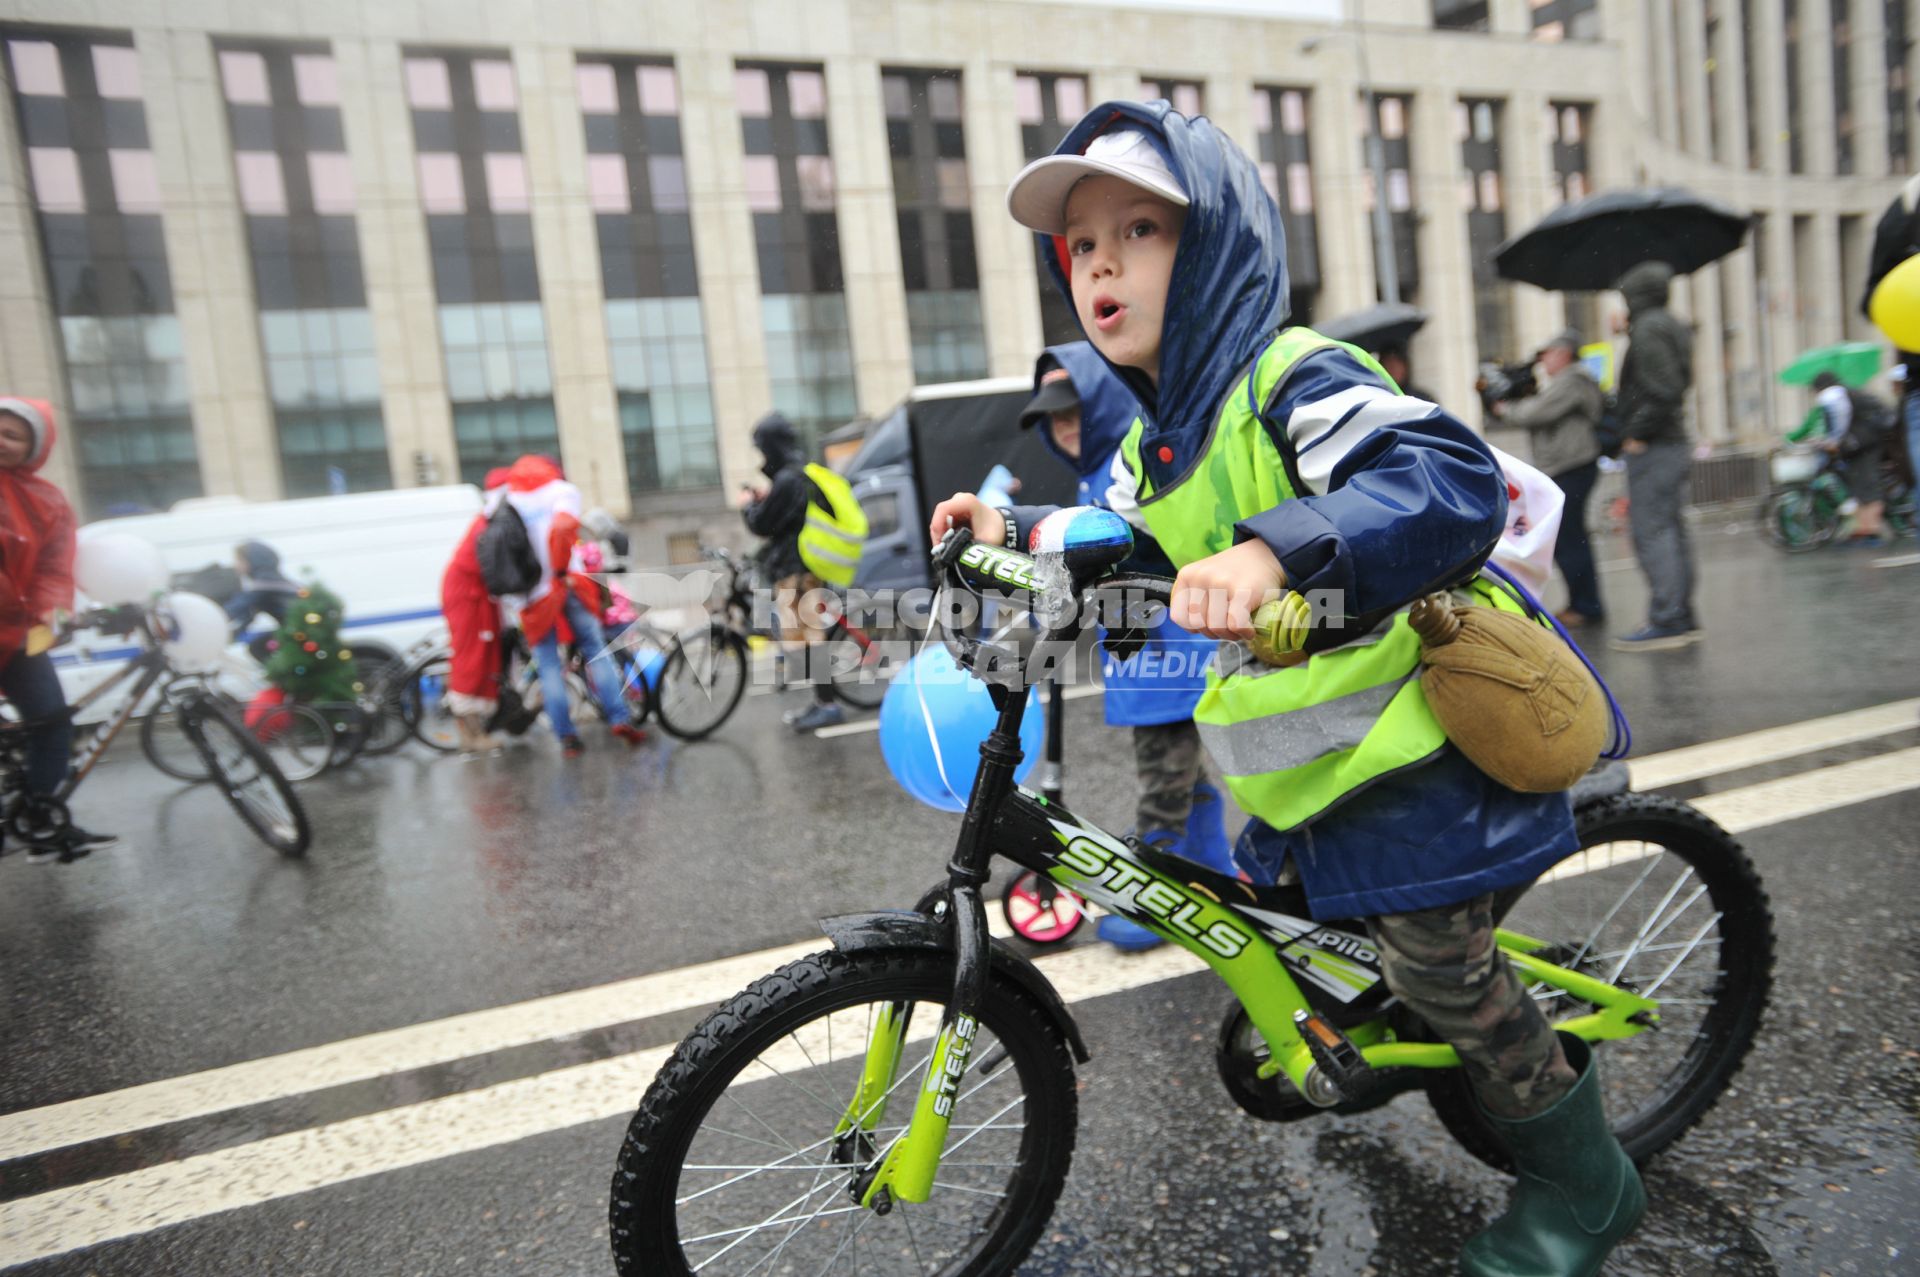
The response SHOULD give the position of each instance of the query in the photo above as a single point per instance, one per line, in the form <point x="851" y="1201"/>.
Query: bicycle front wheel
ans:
<point x="424" y="696"/>
<point x="1663" y="902"/>
<point x="732" y="1165"/>
<point x="168" y="747"/>
<point x="1794" y="522"/>
<point x="298" y="738"/>
<point x="247" y="778"/>
<point x="703" y="679"/>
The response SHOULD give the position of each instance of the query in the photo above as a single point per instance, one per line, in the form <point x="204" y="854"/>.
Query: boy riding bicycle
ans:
<point x="1269" y="458"/>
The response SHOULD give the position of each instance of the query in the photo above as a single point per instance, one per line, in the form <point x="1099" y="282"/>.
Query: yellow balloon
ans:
<point x="1895" y="304"/>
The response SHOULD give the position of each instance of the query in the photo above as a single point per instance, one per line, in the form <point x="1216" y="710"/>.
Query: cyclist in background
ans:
<point x="778" y="512"/>
<point x="36" y="594"/>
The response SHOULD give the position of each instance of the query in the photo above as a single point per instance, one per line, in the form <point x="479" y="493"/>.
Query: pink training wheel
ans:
<point x="1040" y="911"/>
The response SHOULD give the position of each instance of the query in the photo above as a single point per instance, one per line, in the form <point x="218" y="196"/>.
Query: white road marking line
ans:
<point x="1079" y="692"/>
<point x="142" y="1201"/>
<point x="1675" y="766"/>
<point x="391" y="1051"/>
<point x="1897" y="561"/>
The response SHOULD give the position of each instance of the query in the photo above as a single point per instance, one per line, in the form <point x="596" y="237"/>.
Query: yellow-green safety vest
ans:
<point x="830" y="542"/>
<point x="1290" y="742"/>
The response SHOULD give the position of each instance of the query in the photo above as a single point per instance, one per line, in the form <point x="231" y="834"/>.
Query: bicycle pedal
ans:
<point x="1334" y="1055"/>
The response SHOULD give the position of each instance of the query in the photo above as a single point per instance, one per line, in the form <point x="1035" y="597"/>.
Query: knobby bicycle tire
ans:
<point x="780" y="1017"/>
<point x="1735" y="1002"/>
<point x="246" y="777"/>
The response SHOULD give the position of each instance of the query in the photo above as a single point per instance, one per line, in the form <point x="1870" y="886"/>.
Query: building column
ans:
<point x="1692" y="53"/>
<point x="567" y="249"/>
<point x="206" y="244"/>
<point x="1836" y="292"/>
<point x="397" y="265"/>
<point x="875" y="282"/>
<point x="1526" y="156"/>
<point x="1732" y="104"/>
<point x="1009" y="272"/>
<point x="1769" y="80"/>
<point x="1741" y="319"/>
<point x="1446" y="354"/>
<point x="726" y="260"/>
<point x="1229" y="104"/>
<point x="1347" y="278"/>
<point x="1709" y="357"/>
<point x="32" y="361"/>
<point x="1510" y="17"/>
<point x="1816" y="88"/>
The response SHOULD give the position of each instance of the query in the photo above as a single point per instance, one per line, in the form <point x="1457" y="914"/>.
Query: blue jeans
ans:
<point x="1910" y="411"/>
<point x="601" y="672"/>
<point x="33" y="687"/>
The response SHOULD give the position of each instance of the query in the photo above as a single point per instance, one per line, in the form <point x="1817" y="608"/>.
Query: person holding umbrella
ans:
<point x="1560" y="422"/>
<point x="1654" y="380"/>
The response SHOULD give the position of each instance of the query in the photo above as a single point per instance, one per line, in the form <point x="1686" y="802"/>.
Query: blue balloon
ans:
<point x="932" y="722"/>
<point x="649" y="664"/>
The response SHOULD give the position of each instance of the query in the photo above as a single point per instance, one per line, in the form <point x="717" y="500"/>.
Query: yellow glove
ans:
<point x="39" y="639"/>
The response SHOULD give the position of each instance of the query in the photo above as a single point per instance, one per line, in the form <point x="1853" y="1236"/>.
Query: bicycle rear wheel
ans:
<point x="704" y="677"/>
<point x="863" y="663"/>
<point x="247" y="777"/>
<point x="732" y="1165"/>
<point x="1661" y="901"/>
<point x="424" y="695"/>
<point x="1794" y="522"/>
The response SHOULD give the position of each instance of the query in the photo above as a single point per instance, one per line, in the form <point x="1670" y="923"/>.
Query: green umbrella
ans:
<point x="1853" y="362"/>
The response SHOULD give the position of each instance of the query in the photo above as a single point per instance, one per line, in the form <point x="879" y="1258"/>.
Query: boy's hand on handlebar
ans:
<point x="964" y="510"/>
<point x="1218" y="595"/>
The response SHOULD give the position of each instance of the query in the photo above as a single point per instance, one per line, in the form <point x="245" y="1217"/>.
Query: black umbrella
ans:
<point x="1587" y="245"/>
<point x="1376" y="328"/>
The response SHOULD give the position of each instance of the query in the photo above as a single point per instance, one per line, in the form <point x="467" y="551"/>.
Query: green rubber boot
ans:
<point x="1578" y="1192"/>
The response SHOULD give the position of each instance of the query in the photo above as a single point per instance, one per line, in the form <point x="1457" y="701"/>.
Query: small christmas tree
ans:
<point x="305" y="658"/>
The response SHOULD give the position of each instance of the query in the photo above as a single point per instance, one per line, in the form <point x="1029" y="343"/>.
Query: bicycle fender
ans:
<point x="905" y="929"/>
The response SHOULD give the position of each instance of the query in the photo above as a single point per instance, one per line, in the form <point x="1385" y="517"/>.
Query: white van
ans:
<point x="382" y="552"/>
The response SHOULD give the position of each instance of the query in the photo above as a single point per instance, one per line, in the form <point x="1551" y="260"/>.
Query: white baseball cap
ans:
<point x="1038" y="197"/>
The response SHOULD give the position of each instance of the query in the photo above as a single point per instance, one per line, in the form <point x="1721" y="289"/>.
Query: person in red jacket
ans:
<point x="473" y="625"/>
<point x="563" y="606"/>
<point x="36" y="595"/>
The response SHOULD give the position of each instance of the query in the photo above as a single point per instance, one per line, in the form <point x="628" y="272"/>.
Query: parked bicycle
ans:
<point x="906" y="1102"/>
<point x="231" y="755"/>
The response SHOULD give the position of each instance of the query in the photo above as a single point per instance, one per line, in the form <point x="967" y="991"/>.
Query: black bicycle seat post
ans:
<point x="1053" y="774"/>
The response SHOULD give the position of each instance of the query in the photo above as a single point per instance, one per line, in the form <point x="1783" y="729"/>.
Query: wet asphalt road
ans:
<point x="437" y="886"/>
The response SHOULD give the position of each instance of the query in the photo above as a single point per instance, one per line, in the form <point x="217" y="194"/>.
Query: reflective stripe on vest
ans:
<point x="1290" y="742"/>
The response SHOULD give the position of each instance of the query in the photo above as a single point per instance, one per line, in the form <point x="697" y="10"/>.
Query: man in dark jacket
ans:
<point x="778" y="512"/>
<point x="1654" y="379"/>
<point x="1559" y="420"/>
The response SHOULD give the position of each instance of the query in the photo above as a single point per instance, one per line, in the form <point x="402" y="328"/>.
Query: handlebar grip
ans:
<point x="1280" y="628"/>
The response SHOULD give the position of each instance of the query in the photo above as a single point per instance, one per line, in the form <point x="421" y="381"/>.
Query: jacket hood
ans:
<point x="262" y="560"/>
<point x="1228" y="294"/>
<point x="778" y="441"/>
<point x="1107" y="407"/>
<point x="1646" y="286"/>
<point x="38" y="414"/>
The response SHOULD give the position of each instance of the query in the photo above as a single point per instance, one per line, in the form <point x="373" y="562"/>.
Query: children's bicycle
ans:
<point x="905" y="1102"/>
<point x="229" y="754"/>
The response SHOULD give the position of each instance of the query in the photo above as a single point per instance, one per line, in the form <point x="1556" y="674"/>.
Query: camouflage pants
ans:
<point x="1167" y="758"/>
<point x="1444" y="965"/>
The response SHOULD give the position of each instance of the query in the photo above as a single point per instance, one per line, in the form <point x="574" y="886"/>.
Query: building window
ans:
<point x="96" y="195"/>
<point x="1189" y="97"/>
<point x="790" y="183"/>
<point x="473" y="188"/>
<point x="1755" y="153"/>
<point x="1899" y="144"/>
<point x="1461" y="15"/>
<point x="933" y="205"/>
<point x="656" y="333"/>
<point x="1555" y="20"/>
<point x="1569" y="129"/>
<point x="1048" y="105"/>
<point x="1391" y="116"/>
<point x="1478" y="123"/>
<point x="297" y="194"/>
<point x="1790" y="50"/>
<point x="1843" y="122"/>
<point x="1286" y="170"/>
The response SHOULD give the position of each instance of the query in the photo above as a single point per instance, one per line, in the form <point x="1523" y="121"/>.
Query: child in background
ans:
<point x="1083" y="414"/>
<point x="1268" y="457"/>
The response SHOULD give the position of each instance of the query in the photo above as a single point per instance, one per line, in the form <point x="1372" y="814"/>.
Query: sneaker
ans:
<point x="571" y="746"/>
<point x="819" y="714"/>
<point x="92" y="841"/>
<point x="69" y="845"/>
<point x="1869" y="542"/>
<point x="628" y="733"/>
<point x="1655" y="638"/>
<point x="1577" y="620"/>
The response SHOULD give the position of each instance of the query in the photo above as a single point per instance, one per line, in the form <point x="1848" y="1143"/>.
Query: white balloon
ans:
<point x="117" y="568"/>
<point x="193" y="628"/>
